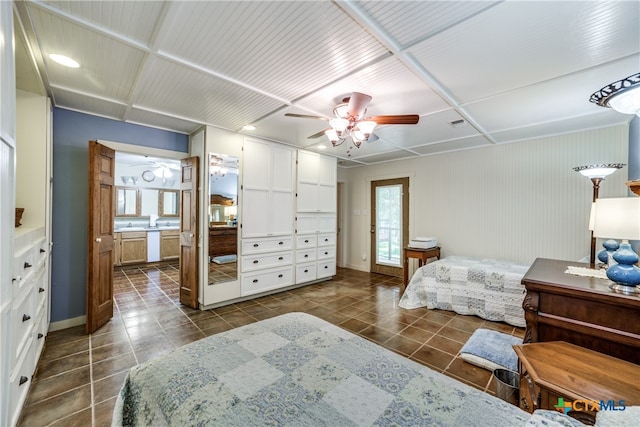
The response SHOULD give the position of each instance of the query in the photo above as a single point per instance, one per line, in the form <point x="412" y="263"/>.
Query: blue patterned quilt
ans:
<point x="486" y="288"/>
<point x="298" y="370"/>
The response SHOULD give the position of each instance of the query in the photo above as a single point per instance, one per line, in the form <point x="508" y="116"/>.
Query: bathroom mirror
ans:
<point x="223" y="218"/>
<point x="168" y="203"/>
<point x="127" y="201"/>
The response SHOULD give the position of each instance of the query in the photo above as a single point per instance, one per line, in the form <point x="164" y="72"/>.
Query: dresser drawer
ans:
<point x="305" y="273"/>
<point x="306" y="242"/>
<point x="40" y="290"/>
<point x="39" y="333"/>
<point x="326" y="252"/>
<point x="23" y="318"/>
<point x="268" y="260"/>
<point x="20" y="382"/>
<point x="265" y="280"/>
<point x="254" y="246"/>
<point x="23" y="268"/>
<point x="305" y="255"/>
<point x="326" y="268"/>
<point x="326" y="239"/>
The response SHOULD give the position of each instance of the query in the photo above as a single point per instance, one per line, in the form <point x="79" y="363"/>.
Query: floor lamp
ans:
<point x="597" y="173"/>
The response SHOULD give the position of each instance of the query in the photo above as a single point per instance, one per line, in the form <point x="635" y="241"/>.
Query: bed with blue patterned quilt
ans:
<point x="299" y="370"/>
<point x="487" y="288"/>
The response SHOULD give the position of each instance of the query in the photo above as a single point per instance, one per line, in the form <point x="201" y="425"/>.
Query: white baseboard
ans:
<point x="68" y="323"/>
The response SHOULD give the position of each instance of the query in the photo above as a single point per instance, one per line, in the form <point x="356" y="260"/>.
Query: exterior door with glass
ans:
<point x="389" y="225"/>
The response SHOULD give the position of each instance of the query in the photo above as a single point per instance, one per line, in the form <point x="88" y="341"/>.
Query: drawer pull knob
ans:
<point x="326" y="266"/>
<point x="255" y="280"/>
<point x="326" y="240"/>
<point x="279" y="276"/>
<point x="23" y="380"/>
<point x="280" y="258"/>
<point x="281" y="243"/>
<point x="27" y="265"/>
<point x="326" y="253"/>
<point x="25" y="317"/>
<point x="42" y="251"/>
<point x="306" y="271"/>
<point x="306" y="241"/>
<point x="255" y="261"/>
<point x="306" y="255"/>
<point x="40" y="336"/>
<point x="40" y="290"/>
<point x="255" y="245"/>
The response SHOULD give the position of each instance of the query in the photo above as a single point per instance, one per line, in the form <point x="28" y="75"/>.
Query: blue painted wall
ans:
<point x="72" y="132"/>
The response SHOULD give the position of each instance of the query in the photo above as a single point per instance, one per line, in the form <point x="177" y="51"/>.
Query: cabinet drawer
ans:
<point x="133" y="235"/>
<point x="306" y="242"/>
<point x="23" y="314"/>
<point x="265" y="280"/>
<point x="305" y="255"/>
<point x="40" y="290"/>
<point x="328" y="252"/>
<point x="23" y="268"/>
<point x="275" y="259"/>
<point x="19" y="384"/>
<point x="327" y="239"/>
<point x="326" y="268"/>
<point x="255" y="246"/>
<point x="305" y="273"/>
<point x="39" y="333"/>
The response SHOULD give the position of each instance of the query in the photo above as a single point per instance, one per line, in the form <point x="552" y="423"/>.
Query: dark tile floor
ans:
<point x="78" y="375"/>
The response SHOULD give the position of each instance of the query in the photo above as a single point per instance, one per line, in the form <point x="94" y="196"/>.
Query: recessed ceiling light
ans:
<point x="64" y="60"/>
<point x="248" y="127"/>
<point x="322" y="147"/>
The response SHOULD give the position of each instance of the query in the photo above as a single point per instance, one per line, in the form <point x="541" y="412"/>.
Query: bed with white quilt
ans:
<point x="486" y="288"/>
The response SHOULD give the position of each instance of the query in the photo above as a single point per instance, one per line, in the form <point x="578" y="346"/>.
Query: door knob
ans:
<point x="98" y="240"/>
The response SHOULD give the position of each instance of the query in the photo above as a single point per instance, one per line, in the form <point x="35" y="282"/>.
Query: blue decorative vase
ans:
<point x="610" y="246"/>
<point x="625" y="273"/>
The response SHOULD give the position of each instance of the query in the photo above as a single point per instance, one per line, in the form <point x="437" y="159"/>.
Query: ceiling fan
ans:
<point x="350" y="121"/>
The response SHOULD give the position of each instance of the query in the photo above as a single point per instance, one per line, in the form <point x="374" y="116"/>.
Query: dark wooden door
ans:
<point x="189" y="232"/>
<point x="389" y="225"/>
<point x="100" y="236"/>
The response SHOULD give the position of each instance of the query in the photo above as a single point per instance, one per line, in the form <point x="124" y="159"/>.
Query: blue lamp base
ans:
<point x="625" y="274"/>
<point x="610" y="246"/>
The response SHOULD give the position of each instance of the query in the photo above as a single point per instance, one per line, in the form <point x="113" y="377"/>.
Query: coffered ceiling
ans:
<point x="513" y="70"/>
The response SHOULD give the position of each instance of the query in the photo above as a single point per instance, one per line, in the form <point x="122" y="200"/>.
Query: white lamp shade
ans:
<point x="366" y="127"/>
<point x="627" y="102"/>
<point x="598" y="172"/>
<point x="617" y="218"/>
<point x="332" y="135"/>
<point x="339" y="125"/>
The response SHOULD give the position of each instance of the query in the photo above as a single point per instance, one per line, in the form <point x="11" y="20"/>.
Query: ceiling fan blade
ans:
<point x="318" y="135"/>
<point x="403" y="119"/>
<point x="304" y="116"/>
<point x="358" y="104"/>
<point x="373" y="137"/>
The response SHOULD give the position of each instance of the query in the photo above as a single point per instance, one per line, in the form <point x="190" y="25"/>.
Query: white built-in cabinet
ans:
<point x="267" y="220"/>
<point x="30" y="268"/>
<point x="315" y="216"/>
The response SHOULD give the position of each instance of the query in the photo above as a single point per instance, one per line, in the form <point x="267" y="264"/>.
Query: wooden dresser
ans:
<point x="223" y="240"/>
<point x="580" y="310"/>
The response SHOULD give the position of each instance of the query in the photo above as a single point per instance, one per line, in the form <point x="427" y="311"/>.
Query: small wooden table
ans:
<point x="558" y="370"/>
<point x="421" y="254"/>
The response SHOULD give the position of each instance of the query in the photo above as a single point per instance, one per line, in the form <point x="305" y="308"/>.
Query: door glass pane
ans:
<point x="389" y="224"/>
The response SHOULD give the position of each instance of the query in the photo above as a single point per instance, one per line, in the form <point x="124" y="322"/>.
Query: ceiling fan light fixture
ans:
<point x="341" y="110"/>
<point x="367" y="127"/>
<point x="622" y="95"/>
<point x="339" y="126"/>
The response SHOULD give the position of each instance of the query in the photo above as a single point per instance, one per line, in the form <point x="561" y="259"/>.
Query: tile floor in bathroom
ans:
<point x="79" y="375"/>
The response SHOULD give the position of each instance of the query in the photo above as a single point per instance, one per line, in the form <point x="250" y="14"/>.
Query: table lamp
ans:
<point x="619" y="218"/>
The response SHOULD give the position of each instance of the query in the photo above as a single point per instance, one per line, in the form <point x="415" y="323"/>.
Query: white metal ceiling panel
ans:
<point x="457" y="145"/>
<point x="287" y="49"/>
<point x="606" y="117"/>
<point x="95" y="106"/>
<point x="107" y="67"/>
<point x="516" y="44"/>
<point x="161" y="121"/>
<point x="411" y="21"/>
<point x="394" y="88"/>
<point x="549" y="101"/>
<point x="386" y="157"/>
<point x="168" y="87"/>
